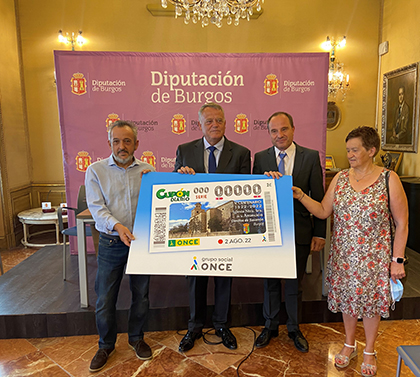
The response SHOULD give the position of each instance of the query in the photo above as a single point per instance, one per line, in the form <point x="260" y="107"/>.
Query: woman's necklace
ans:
<point x="357" y="180"/>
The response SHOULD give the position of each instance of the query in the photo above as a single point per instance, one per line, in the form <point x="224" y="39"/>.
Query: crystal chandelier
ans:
<point x="338" y="79"/>
<point x="213" y="11"/>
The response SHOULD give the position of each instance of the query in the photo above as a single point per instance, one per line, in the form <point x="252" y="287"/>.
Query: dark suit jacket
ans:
<point x="401" y="124"/>
<point x="307" y="175"/>
<point x="235" y="159"/>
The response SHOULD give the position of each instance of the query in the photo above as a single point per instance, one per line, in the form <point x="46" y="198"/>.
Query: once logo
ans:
<point x="216" y="266"/>
<point x="184" y="242"/>
<point x="195" y="264"/>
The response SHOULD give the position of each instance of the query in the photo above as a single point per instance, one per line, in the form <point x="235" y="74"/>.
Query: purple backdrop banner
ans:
<point x="162" y="93"/>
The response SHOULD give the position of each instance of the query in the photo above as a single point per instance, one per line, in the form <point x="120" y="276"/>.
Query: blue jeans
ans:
<point x="112" y="258"/>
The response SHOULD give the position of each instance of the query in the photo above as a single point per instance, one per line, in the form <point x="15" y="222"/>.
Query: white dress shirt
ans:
<point x="289" y="160"/>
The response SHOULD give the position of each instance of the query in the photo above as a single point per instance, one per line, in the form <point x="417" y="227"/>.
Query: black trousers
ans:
<point x="292" y="293"/>
<point x="198" y="301"/>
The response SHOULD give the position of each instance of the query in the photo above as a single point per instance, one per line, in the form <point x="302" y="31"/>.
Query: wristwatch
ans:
<point x="398" y="260"/>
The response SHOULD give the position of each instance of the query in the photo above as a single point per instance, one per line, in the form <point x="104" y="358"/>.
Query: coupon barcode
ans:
<point x="159" y="227"/>
<point x="269" y="217"/>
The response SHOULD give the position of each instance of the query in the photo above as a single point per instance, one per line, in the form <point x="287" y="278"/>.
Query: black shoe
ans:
<point x="264" y="338"/>
<point x="228" y="339"/>
<point x="300" y="342"/>
<point x="143" y="351"/>
<point x="100" y="359"/>
<point x="188" y="340"/>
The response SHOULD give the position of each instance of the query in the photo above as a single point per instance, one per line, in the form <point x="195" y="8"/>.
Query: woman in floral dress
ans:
<point x="360" y="264"/>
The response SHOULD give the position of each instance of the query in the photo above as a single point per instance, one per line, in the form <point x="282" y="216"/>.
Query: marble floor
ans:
<point x="12" y="257"/>
<point x="70" y="356"/>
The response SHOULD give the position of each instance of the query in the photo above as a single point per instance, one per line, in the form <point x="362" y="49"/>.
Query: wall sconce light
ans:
<point x="330" y="44"/>
<point x="71" y="38"/>
<point x="338" y="79"/>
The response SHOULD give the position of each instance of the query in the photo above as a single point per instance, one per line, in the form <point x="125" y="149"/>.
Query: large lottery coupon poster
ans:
<point x="214" y="225"/>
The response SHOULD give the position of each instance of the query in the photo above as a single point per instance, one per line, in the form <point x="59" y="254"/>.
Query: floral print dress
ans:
<point x="359" y="261"/>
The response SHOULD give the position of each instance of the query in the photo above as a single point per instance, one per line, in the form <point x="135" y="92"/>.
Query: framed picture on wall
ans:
<point x="329" y="162"/>
<point x="400" y="109"/>
<point x="392" y="160"/>
<point x="333" y="116"/>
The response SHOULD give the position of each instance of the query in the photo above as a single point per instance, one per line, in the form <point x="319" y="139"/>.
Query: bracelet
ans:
<point x="303" y="194"/>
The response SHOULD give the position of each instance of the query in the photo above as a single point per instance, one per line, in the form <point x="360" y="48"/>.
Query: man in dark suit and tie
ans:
<point x="287" y="157"/>
<point x="400" y="134"/>
<point x="213" y="153"/>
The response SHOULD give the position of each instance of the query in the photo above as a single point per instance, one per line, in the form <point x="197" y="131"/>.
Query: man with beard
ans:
<point x="112" y="191"/>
